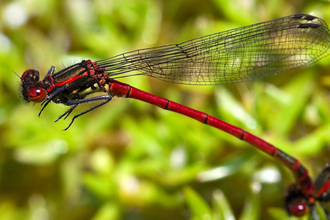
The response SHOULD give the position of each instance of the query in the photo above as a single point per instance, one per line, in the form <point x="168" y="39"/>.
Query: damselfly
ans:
<point x="232" y="56"/>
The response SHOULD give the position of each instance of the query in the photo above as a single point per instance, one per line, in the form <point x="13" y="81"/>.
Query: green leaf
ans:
<point x="199" y="208"/>
<point x="222" y="209"/>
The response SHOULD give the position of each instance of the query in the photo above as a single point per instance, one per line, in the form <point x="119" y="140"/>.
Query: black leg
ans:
<point x="67" y="113"/>
<point x="49" y="99"/>
<point x="75" y="103"/>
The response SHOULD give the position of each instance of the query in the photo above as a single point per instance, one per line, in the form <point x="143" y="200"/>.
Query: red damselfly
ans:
<point x="232" y="56"/>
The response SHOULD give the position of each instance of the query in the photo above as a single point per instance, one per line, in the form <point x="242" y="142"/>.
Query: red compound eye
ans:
<point x="299" y="210"/>
<point x="30" y="74"/>
<point x="37" y="94"/>
<point x="25" y="72"/>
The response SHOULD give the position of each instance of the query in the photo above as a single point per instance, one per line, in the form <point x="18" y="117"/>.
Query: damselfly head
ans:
<point x="296" y="203"/>
<point x="32" y="88"/>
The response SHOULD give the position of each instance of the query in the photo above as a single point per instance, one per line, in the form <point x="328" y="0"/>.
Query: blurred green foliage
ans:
<point x="130" y="160"/>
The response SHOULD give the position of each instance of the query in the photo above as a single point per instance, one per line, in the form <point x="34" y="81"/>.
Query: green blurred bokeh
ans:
<point x="131" y="160"/>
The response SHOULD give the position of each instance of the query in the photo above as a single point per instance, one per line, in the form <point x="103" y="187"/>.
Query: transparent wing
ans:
<point x="322" y="190"/>
<point x="236" y="55"/>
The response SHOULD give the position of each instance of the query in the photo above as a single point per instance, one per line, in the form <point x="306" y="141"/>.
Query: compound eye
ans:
<point x="30" y="74"/>
<point x="298" y="210"/>
<point x="37" y="94"/>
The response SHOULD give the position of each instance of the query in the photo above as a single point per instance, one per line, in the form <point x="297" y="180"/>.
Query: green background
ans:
<point x="131" y="160"/>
